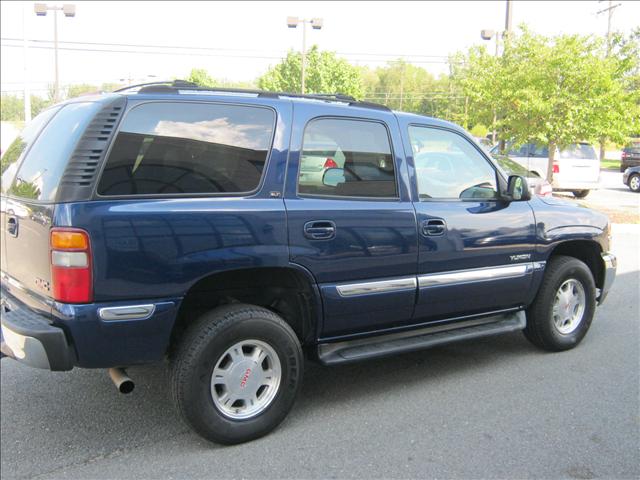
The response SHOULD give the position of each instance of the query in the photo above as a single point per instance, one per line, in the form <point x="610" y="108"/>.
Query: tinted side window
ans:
<point x="14" y="154"/>
<point x="346" y="158"/>
<point x="177" y="148"/>
<point x="449" y="167"/>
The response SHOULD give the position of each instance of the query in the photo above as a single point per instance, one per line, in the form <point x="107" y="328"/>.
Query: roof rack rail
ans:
<point x="174" y="86"/>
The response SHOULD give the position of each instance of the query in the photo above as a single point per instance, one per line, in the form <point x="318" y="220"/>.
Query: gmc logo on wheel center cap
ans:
<point x="245" y="377"/>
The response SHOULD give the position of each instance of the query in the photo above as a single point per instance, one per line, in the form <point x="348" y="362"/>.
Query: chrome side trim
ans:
<point x="132" y="312"/>
<point x="382" y="286"/>
<point x="474" y="275"/>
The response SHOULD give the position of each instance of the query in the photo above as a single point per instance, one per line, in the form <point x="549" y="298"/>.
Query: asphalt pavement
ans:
<point x="613" y="198"/>
<point x="495" y="408"/>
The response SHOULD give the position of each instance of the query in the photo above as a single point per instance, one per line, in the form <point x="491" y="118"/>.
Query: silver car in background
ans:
<point x="576" y="168"/>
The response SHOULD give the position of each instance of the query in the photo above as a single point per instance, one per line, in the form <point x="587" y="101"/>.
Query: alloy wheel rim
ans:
<point x="569" y="306"/>
<point x="245" y="379"/>
<point x="635" y="182"/>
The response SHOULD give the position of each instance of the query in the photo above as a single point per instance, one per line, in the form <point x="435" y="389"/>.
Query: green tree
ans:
<point x="11" y="108"/>
<point x="400" y="86"/>
<point x="38" y="104"/>
<point x="81" y="89"/>
<point x="562" y="90"/>
<point x="324" y="73"/>
<point x="200" y="77"/>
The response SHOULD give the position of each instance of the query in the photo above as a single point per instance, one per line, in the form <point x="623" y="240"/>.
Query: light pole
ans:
<point x="488" y="35"/>
<point x="316" y="24"/>
<point x="69" y="10"/>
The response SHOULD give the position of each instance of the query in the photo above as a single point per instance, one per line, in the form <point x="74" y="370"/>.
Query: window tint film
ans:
<point x="14" y="154"/>
<point x="449" y="167"/>
<point x="347" y="158"/>
<point x="39" y="174"/>
<point x="176" y="148"/>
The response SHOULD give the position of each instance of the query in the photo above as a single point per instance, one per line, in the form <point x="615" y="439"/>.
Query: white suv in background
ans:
<point x="576" y="168"/>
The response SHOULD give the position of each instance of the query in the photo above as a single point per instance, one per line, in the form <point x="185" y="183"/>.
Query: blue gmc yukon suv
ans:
<point x="234" y="233"/>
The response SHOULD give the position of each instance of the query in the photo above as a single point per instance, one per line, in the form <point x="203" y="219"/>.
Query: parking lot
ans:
<point x="495" y="408"/>
<point x="613" y="198"/>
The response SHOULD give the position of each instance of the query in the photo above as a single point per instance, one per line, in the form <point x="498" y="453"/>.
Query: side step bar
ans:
<point x="354" y="350"/>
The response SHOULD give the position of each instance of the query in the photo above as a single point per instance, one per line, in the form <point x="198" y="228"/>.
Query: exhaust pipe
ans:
<point x="121" y="380"/>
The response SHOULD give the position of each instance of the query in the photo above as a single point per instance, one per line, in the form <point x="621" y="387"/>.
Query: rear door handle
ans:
<point x="12" y="225"/>
<point x="320" y="230"/>
<point x="433" y="227"/>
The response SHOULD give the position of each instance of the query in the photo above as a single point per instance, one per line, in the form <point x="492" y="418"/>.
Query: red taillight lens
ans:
<point x="556" y="168"/>
<point x="546" y="190"/>
<point x="330" y="163"/>
<point x="71" y="277"/>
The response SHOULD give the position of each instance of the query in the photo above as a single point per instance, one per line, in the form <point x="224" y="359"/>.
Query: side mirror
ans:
<point x="518" y="188"/>
<point x="333" y="176"/>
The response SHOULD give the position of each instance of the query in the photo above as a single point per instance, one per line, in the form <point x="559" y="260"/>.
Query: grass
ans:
<point x="610" y="164"/>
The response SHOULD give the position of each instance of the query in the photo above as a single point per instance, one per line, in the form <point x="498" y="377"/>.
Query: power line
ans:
<point x="185" y="47"/>
<point x="128" y="49"/>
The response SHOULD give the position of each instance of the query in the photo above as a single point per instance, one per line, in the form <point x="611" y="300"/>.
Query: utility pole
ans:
<point x="610" y="10"/>
<point x="507" y="21"/>
<point x="27" y="93"/>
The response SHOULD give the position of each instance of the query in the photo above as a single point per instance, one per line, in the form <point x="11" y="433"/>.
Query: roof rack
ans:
<point x="175" y="86"/>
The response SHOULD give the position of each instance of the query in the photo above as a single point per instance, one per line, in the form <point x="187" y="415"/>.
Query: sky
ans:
<point x="240" y="40"/>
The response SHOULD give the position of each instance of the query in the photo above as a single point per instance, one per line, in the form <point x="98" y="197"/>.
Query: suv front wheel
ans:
<point x="236" y="373"/>
<point x="561" y="314"/>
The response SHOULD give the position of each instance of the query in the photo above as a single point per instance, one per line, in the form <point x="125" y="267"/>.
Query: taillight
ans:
<point x="556" y="168"/>
<point x="546" y="190"/>
<point x="71" y="277"/>
<point x="625" y="154"/>
<point x="330" y="163"/>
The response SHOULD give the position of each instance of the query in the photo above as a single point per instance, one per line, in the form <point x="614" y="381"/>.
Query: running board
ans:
<point x="354" y="350"/>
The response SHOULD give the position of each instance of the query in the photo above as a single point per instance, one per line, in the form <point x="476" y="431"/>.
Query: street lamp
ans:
<point x="41" y="10"/>
<point x="487" y="34"/>
<point x="316" y="24"/>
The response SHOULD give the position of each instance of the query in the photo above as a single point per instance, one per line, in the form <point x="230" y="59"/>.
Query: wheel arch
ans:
<point x="290" y="292"/>
<point x="587" y="251"/>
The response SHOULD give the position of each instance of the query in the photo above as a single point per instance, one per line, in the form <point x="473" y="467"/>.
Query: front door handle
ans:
<point x="433" y="227"/>
<point x="320" y="230"/>
<point x="12" y="225"/>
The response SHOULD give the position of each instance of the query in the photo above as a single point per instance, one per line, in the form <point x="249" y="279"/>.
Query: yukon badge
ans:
<point x="523" y="256"/>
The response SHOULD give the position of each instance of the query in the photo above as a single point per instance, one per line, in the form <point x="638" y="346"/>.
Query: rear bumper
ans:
<point x="610" y="264"/>
<point x="30" y="339"/>
<point x="97" y="335"/>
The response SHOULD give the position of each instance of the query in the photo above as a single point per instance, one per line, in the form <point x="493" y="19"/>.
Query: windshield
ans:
<point x="511" y="167"/>
<point x="14" y="154"/>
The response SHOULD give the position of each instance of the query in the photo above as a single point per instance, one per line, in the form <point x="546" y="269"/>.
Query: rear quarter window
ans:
<point x="39" y="174"/>
<point x="13" y="156"/>
<point x="169" y="148"/>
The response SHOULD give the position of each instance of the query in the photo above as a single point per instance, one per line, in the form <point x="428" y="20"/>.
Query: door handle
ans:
<point x="320" y="230"/>
<point x="12" y="225"/>
<point x="434" y="227"/>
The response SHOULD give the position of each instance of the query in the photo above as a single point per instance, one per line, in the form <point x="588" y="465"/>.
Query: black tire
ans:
<point x="541" y="329"/>
<point x="580" y="193"/>
<point x="634" y="182"/>
<point x="203" y="345"/>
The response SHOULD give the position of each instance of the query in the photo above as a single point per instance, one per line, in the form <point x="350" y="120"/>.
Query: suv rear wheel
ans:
<point x="561" y="314"/>
<point x="236" y="373"/>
